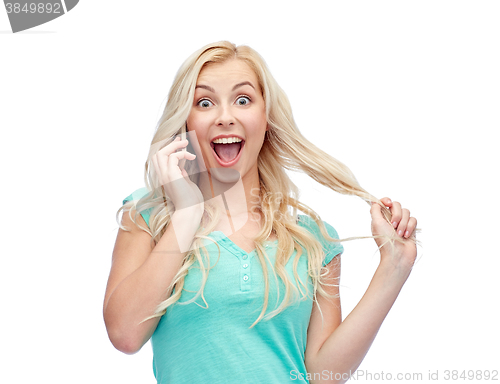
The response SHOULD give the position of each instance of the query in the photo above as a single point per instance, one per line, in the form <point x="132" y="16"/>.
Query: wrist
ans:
<point x="193" y="212"/>
<point x="185" y="225"/>
<point x="394" y="269"/>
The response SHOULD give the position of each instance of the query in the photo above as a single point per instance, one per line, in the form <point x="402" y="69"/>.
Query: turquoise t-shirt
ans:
<point x="195" y="344"/>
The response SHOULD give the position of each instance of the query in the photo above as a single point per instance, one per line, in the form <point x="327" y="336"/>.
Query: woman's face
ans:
<point x="228" y="101"/>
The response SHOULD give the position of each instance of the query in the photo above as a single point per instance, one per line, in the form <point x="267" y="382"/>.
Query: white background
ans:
<point x="404" y="93"/>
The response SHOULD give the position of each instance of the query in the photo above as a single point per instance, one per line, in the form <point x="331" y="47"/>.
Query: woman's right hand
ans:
<point x="175" y="181"/>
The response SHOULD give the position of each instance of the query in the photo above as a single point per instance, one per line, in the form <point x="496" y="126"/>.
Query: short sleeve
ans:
<point x="135" y="196"/>
<point x="334" y="248"/>
<point x="330" y="248"/>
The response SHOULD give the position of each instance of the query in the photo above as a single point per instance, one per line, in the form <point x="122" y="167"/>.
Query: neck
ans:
<point x="237" y="196"/>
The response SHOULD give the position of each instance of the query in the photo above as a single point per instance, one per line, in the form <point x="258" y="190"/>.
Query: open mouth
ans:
<point x="227" y="154"/>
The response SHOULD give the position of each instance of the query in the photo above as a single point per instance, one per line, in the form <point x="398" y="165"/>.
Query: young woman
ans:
<point x="213" y="262"/>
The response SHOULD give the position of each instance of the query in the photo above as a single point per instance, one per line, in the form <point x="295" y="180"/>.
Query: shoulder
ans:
<point x="309" y="223"/>
<point x="330" y="248"/>
<point x="135" y="196"/>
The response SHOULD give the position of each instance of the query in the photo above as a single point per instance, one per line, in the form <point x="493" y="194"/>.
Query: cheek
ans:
<point x="192" y="122"/>
<point x="196" y="123"/>
<point x="257" y="122"/>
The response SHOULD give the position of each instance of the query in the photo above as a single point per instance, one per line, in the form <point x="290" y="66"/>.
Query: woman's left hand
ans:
<point x="403" y="226"/>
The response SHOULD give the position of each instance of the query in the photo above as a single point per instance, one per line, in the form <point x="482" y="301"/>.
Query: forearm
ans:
<point x="346" y="347"/>
<point x="138" y="295"/>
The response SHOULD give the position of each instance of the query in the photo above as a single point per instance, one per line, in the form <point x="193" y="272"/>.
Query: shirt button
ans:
<point x="245" y="265"/>
<point x="245" y="257"/>
<point x="245" y="277"/>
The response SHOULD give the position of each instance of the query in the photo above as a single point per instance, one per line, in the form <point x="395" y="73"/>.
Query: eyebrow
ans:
<point x="205" y="87"/>
<point x="242" y="84"/>
<point x="235" y="87"/>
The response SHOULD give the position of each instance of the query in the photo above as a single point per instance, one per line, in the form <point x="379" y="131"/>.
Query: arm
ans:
<point x="140" y="277"/>
<point x="341" y="349"/>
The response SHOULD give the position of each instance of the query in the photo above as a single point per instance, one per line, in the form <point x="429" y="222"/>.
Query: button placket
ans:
<point x="245" y="270"/>
<point x="245" y="279"/>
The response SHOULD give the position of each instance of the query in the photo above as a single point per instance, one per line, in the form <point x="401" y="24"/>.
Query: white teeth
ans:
<point x="227" y="141"/>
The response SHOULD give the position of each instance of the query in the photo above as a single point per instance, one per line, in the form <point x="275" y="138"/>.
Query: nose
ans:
<point x="225" y="117"/>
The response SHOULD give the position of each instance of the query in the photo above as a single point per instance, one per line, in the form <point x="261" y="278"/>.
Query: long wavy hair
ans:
<point x="284" y="147"/>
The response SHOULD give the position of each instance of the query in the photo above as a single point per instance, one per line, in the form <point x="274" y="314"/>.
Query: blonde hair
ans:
<point x="284" y="148"/>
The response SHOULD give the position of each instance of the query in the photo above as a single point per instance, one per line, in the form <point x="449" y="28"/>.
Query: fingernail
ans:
<point x="394" y="224"/>
<point x="400" y="233"/>
<point x="407" y="234"/>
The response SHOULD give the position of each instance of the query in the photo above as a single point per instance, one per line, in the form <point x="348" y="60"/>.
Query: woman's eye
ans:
<point x="243" y="100"/>
<point x="204" y="103"/>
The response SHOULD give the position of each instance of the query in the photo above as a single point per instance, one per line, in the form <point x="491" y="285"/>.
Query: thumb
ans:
<point x="376" y="211"/>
